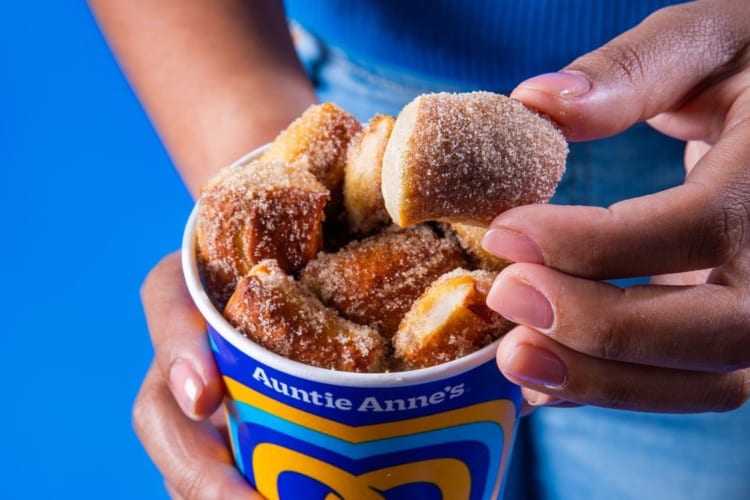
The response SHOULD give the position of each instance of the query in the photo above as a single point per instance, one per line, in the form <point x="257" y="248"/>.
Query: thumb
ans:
<point x="645" y="71"/>
<point x="178" y="334"/>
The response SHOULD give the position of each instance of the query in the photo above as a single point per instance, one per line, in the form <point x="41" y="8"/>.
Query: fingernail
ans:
<point x="186" y="385"/>
<point x="521" y="303"/>
<point x="512" y="245"/>
<point x="565" y="85"/>
<point x="535" y="365"/>
<point x="536" y="398"/>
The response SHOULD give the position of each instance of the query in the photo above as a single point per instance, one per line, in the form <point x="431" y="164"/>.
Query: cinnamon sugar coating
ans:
<point x="374" y="281"/>
<point x="363" y="196"/>
<point x="256" y="211"/>
<point x="448" y="321"/>
<point x="275" y="311"/>
<point x="470" y="239"/>
<point x="468" y="157"/>
<point x="318" y="139"/>
<point x="403" y="297"/>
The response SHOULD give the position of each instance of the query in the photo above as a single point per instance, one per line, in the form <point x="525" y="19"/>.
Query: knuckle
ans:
<point x="202" y="485"/>
<point x="609" y="342"/>
<point x="731" y="393"/>
<point x="626" y="62"/>
<point x="141" y="411"/>
<point x="735" y="354"/>
<point x="195" y="486"/>
<point x="720" y="233"/>
<point x="150" y="283"/>
<point x="145" y="407"/>
<point x="726" y="236"/>
<point x="147" y="286"/>
<point x="617" y="395"/>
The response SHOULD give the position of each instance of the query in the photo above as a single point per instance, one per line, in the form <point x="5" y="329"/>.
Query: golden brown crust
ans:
<point x="468" y="157"/>
<point x="448" y="321"/>
<point x="375" y="281"/>
<point x="273" y="310"/>
<point x="455" y="158"/>
<point x="256" y="211"/>
<point x="470" y="239"/>
<point x="318" y="139"/>
<point x="363" y="196"/>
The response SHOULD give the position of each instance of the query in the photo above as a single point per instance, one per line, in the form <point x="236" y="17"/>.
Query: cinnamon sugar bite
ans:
<point x="272" y="309"/>
<point x="448" y="321"/>
<point x="374" y="281"/>
<point x="468" y="157"/>
<point x="256" y="211"/>
<point x="470" y="239"/>
<point x="363" y="195"/>
<point x="326" y="250"/>
<point x="318" y="140"/>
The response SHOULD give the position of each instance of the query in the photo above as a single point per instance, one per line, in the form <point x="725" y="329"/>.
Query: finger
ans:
<point x="682" y="279"/>
<point x="694" y="151"/>
<point x="533" y="399"/>
<point x="192" y="456"/>
<point x="533" y="360"/>
<point x="653" y="325"/>
<point x="643" y="72"/>
<point x="178" y="334"/>
<point x="172" y="491"/>
<point x="698" y="225"/>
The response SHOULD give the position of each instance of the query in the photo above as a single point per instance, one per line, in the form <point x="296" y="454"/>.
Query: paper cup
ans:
<point x="299" y="431"/>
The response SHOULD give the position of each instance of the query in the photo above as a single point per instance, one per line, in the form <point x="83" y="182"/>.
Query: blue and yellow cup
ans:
<point x="299" y="431"/>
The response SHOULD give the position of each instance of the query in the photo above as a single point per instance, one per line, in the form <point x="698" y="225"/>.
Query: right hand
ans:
<point x="178" y="414"/>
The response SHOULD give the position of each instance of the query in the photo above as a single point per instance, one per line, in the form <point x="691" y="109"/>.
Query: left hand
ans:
<point x="681" y="343"/>
<point x="177" y="414"/>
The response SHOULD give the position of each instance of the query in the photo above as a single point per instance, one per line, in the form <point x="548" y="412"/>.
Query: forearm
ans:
<point x="217" y="78"/>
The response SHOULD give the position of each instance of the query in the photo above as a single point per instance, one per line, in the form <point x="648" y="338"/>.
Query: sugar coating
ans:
<point x="374" y="281"/>
<point x="272" y="309"/>
<point x="318" y="139"/>
<point x="448" y="321"/>
<point x="256" y="211"/>
<point x="468" y="157"/>
<point x="470" y="239"/>
<point x="363" y="197"/>
<point x="396" y="295"/>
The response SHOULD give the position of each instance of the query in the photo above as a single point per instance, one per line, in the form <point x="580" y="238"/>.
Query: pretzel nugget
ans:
<point x="470" y="238"/>
<point x="256" y="211"/>
<point x="374" y="281"/>
<point x="448" y="321"/>
<point x="272" y="309"/>
<point x="318" y="139"/>
<point x="363" y="196"/>
<point x="468" y="157"/>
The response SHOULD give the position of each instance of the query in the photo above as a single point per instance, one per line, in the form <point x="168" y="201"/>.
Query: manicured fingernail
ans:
<point x="521" y="303"/>
<point x="536" y="398"/>
<point x="535" y="365"/>
<point x="565" y="85"/>
<point x="186" y="385"/>
<point x="512" y="245"/>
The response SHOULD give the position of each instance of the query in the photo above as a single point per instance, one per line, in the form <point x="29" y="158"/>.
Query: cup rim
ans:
<point x="302" y="370"/>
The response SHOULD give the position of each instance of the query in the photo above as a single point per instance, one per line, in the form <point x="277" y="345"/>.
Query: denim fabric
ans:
<point x="585" y="453"/>
<point x="594" y="453"/>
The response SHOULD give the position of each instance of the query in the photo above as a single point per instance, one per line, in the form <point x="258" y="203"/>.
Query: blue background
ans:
<point x="90" y="202"/>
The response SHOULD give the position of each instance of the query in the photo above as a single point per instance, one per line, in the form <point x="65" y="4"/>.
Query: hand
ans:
<point x="177" y="413"/>
<point x="681" y="343"/>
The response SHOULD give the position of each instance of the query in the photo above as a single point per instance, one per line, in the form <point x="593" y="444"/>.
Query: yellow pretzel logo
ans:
<point x="449" y="475"/>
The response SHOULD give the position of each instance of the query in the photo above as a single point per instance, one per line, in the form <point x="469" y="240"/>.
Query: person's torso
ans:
<point x="493" y="44"/>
